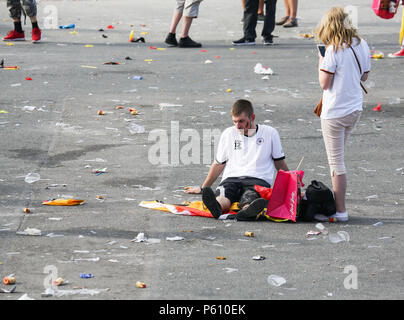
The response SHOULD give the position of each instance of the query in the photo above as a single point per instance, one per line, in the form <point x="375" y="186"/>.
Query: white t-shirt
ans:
<point x="345" y="96"/>
<point x="250" y="156"/>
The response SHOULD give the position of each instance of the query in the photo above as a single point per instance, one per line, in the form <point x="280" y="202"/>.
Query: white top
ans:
<point x="250" y="156"/>
<point x="345" y="96"/>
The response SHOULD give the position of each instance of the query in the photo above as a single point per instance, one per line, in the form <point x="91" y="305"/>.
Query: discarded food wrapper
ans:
<point x="9" y="280"/>
<point x="312" y="233"/>
<point x="133" y="111"/>
<point x="49" y="292"/>
<point x="175" y="238"/>
<point x="376" y="54"/>
<point x="306" y="35"/>
<point x="99" y="171"/>
<point x="228" y="90"/>
<point x="249" y="234"/>
<point x="110" y="27"/>
<point x="60" y="281"/>
<point x="63" y="202"/>
<point x="258" y="258"/>
<point x="27" y="210"/>
<point x="208" y="61"/>
<point x="32" y="177"/>
<point x="259" y="69"/>
<point x="140" y="284"/>
<point x="10" y="290"/>
<point x="111" y="63"/>
<point x="86" y="275"/>
<point x="378" y="224"/>
<point x="68" y="26"/>
<point x="339" y="237"/>
<point x="221" y="258"/>
<point x="28" y="78"/>
<point x="30" y="232"/>
<point x="135" y="128"/>
<point x="133" y="39"/>
<point x="137" y="78"/>
<point x="101" y="113"/>
<point x="139" y="238"/>
<point x="275" y="280"/>
<point x="378" y="107"/>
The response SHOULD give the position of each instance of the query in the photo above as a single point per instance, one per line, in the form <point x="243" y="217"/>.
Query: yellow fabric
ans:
<point x="402" y="30"/>
<point x="155" y="205"/>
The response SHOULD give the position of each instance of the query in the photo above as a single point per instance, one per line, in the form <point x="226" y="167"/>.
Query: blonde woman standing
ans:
<point x="345" y="64"/>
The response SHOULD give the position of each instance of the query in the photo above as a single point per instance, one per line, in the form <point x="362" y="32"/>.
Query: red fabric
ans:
<point x="283" y="202"/>
<point x="263" y="192"/>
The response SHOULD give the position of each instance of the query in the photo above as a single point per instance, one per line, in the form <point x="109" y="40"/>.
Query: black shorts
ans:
<point x="240" y="189"/>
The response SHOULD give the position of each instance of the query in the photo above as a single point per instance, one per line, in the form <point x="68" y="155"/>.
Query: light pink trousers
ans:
<point x="335" y="134"/>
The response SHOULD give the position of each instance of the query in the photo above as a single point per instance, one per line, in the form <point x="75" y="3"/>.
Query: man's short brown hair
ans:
<point x="242" y="106"/>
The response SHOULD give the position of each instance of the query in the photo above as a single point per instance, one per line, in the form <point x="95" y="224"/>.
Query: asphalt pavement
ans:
<point x="51" y="126"/>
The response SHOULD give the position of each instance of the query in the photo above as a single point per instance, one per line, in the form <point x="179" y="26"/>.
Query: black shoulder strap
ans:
<point x="360" y="69"/>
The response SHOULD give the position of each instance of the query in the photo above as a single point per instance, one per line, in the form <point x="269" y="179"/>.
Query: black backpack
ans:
<point x="318" y="199"/>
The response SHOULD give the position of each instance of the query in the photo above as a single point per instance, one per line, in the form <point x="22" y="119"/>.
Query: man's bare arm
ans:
<point x="281" y="164"/>
<point x="214" y="172"/>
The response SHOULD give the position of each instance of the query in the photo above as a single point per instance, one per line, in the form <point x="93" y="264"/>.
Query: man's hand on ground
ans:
<point x="193" y="190"/>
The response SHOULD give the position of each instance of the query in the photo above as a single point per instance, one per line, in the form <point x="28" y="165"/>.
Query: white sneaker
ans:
<point x="340" y="216"/>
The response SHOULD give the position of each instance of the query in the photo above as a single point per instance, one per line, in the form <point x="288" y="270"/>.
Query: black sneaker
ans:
<point x="244" y="42"/>
<point x="171" y="41"/>
<point x="251" y="212"/>
<point x="268" y="41"/>
<point x="187" y="42"/>
<point x="209" y="200"/>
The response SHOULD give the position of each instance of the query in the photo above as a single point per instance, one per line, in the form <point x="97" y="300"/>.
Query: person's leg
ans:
<point x="191" y="10"/>
<point x="186" y="25"/>
<point x="177" y="15"/>
<point x="339" y="184"/>
<point x="292" y="9"/>
<point x="243" y="4"/>
<point x="250" y="19"/>
<point x="251" y="203"/>
<point x="30" y="9"/>
<point x="15" y="10"/>
<point x="269" y="23"/>
<point x="220" y="201"/>
<point x="171" y="40"/>
<point x="335" y="134"/>
<point x="286" y="17"/>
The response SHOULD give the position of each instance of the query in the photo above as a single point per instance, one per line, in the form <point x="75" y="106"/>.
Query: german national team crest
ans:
<point x="260" y="141"/>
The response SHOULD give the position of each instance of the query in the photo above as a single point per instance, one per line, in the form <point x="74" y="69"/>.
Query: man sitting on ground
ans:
<point x="248" y="155"/>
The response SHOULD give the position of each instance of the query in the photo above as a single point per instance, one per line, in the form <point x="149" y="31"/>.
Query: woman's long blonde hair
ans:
<point x="336" y="29"/>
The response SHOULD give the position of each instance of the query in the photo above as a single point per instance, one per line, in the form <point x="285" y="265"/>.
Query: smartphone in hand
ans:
<point x="321" y="49"/>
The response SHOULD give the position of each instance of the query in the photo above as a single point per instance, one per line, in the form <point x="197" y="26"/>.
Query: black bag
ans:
<point x="318" y="199"/>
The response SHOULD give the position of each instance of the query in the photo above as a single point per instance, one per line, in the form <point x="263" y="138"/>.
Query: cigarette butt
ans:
<point x="140" y="284"/>
<point x="249" y="234"/>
